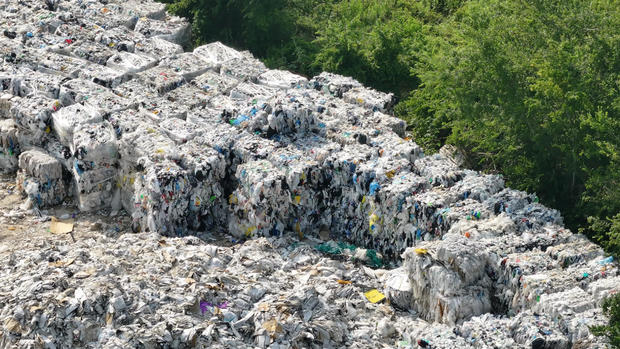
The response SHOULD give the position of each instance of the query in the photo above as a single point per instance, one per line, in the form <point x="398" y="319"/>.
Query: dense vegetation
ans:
<point x="527" y="88"/>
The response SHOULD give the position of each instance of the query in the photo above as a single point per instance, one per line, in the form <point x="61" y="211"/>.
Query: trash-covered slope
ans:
<point x="100" y="106"/>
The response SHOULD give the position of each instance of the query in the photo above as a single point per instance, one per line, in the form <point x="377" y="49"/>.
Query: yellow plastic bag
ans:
<point x="374" y="296"/>
<point x="421" y="251"/>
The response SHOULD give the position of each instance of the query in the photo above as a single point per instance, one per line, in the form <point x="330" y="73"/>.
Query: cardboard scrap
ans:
<point x="62" y="263"/>
<point x="58" y="227"/>
<point x="272" y="326"/>
<point x="344" y="282"/>
<point x="374" y="296"/>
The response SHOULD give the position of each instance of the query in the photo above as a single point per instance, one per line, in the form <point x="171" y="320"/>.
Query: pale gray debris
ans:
<point x="102" y="109"/>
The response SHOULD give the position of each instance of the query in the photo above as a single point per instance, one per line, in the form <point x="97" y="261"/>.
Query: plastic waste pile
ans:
<point x="100" y="103"/>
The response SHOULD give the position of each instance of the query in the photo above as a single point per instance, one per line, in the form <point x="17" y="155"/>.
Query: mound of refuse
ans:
<point x="102" y="106"/>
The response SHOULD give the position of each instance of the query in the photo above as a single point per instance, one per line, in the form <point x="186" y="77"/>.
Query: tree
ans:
<point x="611" y="308"/>
<point x="528" y="88"/>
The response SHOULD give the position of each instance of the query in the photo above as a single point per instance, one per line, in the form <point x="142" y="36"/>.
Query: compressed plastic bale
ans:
<point x="226" y="107"/>
<point x="580" y="250"/>
<point x="77" y="91"/>
<point x="6" y="102"/>
<point x="286" y="115"/>
<point x="206" y="116"/>
<point x="94" y="186"/>
<point x="37" y="83"/>
<point x="260" y="203"/>
<point x="135" y="90"/>
<point x="217" y="53"/>
<point x="57" y="64"/>
<point x="561" y="304"/>
<point x="65" y="121"/>
<point x="157" y="47"/>
<point x="478" y="187"/>
<point x="170" y="28"/>
<point x="94" y="165"/>
<point x="533" y="287"/>
<point x="333" y="84"/>
<point x="573" y="310"/>
<point x="149" y="9"/>
<point x="578" y="328"/>
<point x="438" y="170"/>
<point x="131" y="62"/>
<point x="165" y="197"/>
<point x="449" y="281"/>
<point x="398" y="288"/>
<point x="108" y="102"/>
<point x="187" y="65"/>
<point x="189" y="96"/>
<point x="10" y="146"/>
<point x="118" y="38"/>
<point x="390" y="223"/>
<point x="161" y="79"/>
<point x="281" y="79"/>
<point x="487" y="331"/>
<point x="62" y="153"/>
<point x="392" y="123"/>
<point x="510" y="201"/>
<point x="139" y="138"/>
<point x="246" y="69"/>
<point x="41" y="178"/>
<point x="180" y="131"/>
<point x="603" y="288"/>
<point x="102" y="75"/>
<point x="306" y="182"/>
<point x="159" y="109"/>
<point x="111" y="15"/>
<point x="95" y="142"/>
<point x="80" y="47"/>
<point x="394" y="146"/>
<point x="371" y="99"/>
<point x="34" y="114"/>
<point x="206" y="169"/>
<point x="215" y="84"/>
<point x="251" y="91"/>
<point x="248" y="147"/>
<point x="536" y="330"/>
<point x="434" y="336"/>
<point x="38" y="164"/>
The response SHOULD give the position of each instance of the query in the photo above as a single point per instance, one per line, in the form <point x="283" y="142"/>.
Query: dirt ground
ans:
<point x="18" y="221"/>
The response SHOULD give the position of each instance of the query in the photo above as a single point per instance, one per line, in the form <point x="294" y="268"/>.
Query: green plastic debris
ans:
<point x="334" y="248"/>
<point x="329" y="248"/>
<point x="373" y="260"/>
<point x="344" y="245"/>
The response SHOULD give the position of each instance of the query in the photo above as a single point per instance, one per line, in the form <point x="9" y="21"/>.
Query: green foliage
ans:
<point x="611" y="308"/>
<point x="272" y="29"/>
<point x="372" y="41"/>
<point x="528" y="88"/>
<point x="606" y="232"/>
